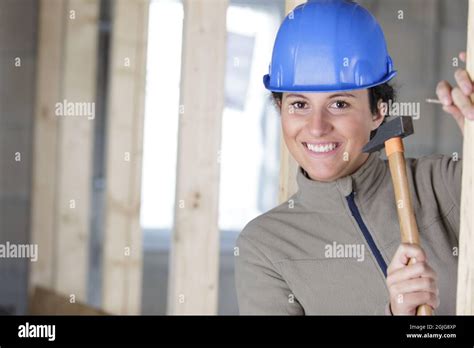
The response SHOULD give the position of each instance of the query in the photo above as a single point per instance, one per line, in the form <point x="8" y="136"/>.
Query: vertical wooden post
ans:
<point x="74" y="148"/>
<point x="48" y="83"/>
<point x="465" y="289"/>
<point x="63" y="144"/>
<point x="194" y="264"/>
<point x="288" y="165"/>
<point x="122" y="260"/>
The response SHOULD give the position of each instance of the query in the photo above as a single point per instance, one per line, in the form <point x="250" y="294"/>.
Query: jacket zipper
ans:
<point x="368" y="237"/>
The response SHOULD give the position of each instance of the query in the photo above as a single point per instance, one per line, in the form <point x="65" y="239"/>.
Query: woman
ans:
<point x="334" y="247"/>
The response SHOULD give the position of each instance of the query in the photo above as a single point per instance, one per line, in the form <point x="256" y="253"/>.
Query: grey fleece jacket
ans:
<point x="326" y="250"/>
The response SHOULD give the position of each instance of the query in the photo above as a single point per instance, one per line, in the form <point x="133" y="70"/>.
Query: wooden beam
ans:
<point x="291" y="4"/>
<point x="48" y="84"/>
<point x="122" y="259"/>
<point x="44" y="301"/>
<point x="193" y="282"/>
<point x="74" y="149"/>
<point x="465" y="289"/>
<point x="288" y="165"/>
<point x="288" y="168"/>
<point x="63" y="142"/>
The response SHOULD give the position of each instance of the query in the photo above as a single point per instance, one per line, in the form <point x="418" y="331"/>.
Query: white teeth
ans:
<point x="321" y="148"/>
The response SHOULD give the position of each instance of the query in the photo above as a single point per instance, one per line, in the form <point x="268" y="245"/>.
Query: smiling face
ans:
<point x="325" y="132"/>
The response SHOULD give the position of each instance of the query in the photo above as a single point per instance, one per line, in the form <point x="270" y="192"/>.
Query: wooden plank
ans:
<point x="48" y="84"/>
<point x="194" y="264"/>
<point x="288" y="168"/>
<point x="74" y="148"/>
<point x="44" y="301"/>
<point x="122" y="260"/>
<point x="291" y="4"/>
<point x="61" y="181"/>
<point x="465" y="289"/>
<point x="67" y="54"/>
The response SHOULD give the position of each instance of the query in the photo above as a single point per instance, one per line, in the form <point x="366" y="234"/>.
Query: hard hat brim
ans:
<point x="316" y="89"/>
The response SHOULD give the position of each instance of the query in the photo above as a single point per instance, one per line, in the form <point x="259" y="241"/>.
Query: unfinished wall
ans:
<point x="18" y="20"/>
<point x="423" y="37"/>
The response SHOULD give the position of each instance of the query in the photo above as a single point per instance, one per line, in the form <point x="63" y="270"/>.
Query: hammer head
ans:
<point x="401" y="127"/>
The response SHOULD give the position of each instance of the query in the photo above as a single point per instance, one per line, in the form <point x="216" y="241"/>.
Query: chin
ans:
<point x="320" y="174"/>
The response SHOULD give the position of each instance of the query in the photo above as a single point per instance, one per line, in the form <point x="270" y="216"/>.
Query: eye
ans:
<point x="299" y="105"/>
<point x="340" y="104"/>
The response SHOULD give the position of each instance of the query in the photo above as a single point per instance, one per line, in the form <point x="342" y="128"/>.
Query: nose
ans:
<point x="319" y="124"/>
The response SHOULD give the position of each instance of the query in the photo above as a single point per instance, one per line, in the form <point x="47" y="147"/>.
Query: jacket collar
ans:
<point x="330" y="196"/>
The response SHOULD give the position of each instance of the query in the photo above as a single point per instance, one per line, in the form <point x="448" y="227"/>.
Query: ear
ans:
<point x="379" y="116"/>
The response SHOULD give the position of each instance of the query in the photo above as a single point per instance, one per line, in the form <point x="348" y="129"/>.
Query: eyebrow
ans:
<point x="331" y="96"/>
<point x="295" y="96"/>
<point x="342" y="95"/>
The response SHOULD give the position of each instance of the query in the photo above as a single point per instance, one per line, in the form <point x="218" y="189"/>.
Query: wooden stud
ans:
<point x="291" y="4"/>
<point x="193" y="282"/>
<point x="74" y="148"/>
<point x="48" y="84"/>
<point x="45" y="301"/>
<point x="63" y="144"/>
<point x="122" y="259"/>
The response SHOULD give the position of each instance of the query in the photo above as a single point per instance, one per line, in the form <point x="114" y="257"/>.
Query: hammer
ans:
<point x="389" y="135"/>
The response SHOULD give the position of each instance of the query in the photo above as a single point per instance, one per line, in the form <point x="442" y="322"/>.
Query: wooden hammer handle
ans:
<point x="406" y="216"/>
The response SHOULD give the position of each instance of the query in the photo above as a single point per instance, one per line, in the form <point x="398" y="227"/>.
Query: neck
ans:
<point x="362" y="158"/>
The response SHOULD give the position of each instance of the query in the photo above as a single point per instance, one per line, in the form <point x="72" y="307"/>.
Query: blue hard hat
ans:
<point x="329" y="45"/>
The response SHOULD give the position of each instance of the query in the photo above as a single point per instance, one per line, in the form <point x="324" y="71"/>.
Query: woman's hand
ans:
<point x="456" y="100"/>
<point x="411" y="285"/>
